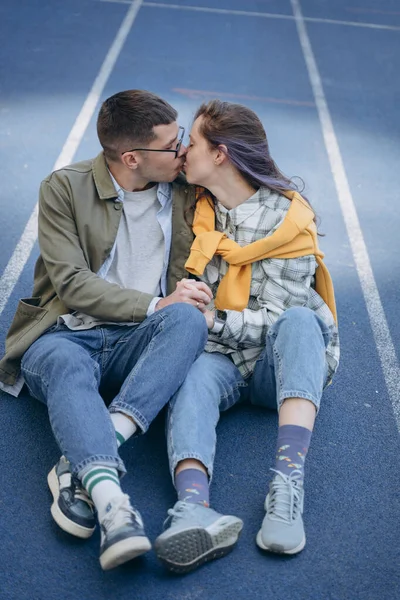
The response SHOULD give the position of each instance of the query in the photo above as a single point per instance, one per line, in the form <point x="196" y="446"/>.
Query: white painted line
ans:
<point x="379" y="325"/>
<point x="24" y="247"/>
<point x="205" y="9"/>
<point x="352" y="24"/>
<point x="196" y="94"/>
<point x="265" y="15"/>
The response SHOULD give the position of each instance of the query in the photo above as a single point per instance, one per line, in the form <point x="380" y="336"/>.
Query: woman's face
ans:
<point x="199" y="165"/>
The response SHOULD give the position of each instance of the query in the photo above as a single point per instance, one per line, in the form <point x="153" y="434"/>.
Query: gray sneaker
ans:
<point x="195" y="534"/>
<point x="122" y="534"/>
<point x="72" y="509"/>
<point x="282" y="530"/>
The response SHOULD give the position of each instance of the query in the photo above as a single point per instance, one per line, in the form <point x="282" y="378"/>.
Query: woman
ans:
<point x="273" y="336"/>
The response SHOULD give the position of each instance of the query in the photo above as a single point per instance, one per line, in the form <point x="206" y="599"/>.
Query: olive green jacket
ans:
<point x="78" y="222"/>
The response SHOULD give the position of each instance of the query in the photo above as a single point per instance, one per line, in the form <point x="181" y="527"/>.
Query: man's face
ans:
<point x="161" y="166"/>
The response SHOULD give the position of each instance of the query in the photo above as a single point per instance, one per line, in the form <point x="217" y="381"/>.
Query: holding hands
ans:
<point x="196" y="293"/>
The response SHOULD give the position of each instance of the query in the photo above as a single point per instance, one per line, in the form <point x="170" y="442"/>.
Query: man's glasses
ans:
<point x="181" y="133"/>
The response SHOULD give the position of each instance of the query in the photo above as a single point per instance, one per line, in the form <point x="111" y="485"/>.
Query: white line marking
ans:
<point x="246" y="13"/>
<point x="352" y="24"/>
<point x="379" y="325"/>
<point x="220" y="11"/>
<point x="24" y="247"/>
<point x="196" y="94"/>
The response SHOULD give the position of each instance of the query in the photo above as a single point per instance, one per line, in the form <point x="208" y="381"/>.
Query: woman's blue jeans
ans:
<point x="141" y="366"/>
<point x="292" y="365"/>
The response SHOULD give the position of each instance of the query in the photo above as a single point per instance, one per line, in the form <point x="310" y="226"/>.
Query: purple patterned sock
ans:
<point x="291" y="448"/>
<point x="192" y="486"/>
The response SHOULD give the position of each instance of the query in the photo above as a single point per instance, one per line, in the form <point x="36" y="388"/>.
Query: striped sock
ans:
<point x="102" y="485"/>
<point x="124" y="427"/>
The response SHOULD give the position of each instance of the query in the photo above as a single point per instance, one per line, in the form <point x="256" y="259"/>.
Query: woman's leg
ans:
<point x="195" y="533"/>
<point x="293" y="372"/>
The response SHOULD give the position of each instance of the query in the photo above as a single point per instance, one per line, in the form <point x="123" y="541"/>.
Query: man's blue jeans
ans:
<point x="292" y="365"/>
<point x="142" y="366"/>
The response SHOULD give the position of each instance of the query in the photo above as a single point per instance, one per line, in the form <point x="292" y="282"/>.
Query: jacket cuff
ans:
<point x="152" y="306"/>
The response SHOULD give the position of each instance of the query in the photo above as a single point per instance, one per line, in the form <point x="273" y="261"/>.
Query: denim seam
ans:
<point x="233" y="389"/>
<point x="104" y="350"/>
<point x="24" y="370"/>
<point x="100" y="459"/>
<point x="298" y="394"/>
<point x="170" y="441"/>
<point x="276" y="354"/>
<point x="186" y="456"/>
<point x="96" y="353"/>
<point x="140" y="421"/>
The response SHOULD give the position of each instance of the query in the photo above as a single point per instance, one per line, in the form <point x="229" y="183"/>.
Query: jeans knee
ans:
<point x="300" y="319"/>
<point x="188" y="316"/>
<point x="300" y="325"/>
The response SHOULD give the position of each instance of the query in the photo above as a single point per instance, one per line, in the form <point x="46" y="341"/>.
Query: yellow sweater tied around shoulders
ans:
<point x="296" y="236"/>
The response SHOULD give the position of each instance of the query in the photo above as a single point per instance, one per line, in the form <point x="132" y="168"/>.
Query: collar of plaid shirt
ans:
<point x="296" y="236"/>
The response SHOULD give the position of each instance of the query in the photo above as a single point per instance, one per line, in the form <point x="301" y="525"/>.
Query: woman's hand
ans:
<point x="209" y="317"/>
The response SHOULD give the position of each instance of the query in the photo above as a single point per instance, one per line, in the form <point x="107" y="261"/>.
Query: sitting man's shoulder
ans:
<point x="95" y="167"/>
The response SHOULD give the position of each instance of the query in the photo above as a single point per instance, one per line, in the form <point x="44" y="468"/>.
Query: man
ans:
<point x="112" y="313"/>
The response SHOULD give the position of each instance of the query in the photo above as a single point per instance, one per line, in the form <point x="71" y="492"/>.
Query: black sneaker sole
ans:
<point x="60" y="518"/>
<point x="189" y="549"/>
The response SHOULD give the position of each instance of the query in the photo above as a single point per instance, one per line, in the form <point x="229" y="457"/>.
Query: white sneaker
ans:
<point x="195" y="534"/>
<point x="282" y="530"/>
<point x="122" y="534"/>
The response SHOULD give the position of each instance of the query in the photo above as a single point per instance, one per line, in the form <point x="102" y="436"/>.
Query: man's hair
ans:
<point x="127" y="119"/>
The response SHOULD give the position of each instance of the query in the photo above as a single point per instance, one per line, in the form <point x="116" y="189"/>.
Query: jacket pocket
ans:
<point x="27" y="315"/>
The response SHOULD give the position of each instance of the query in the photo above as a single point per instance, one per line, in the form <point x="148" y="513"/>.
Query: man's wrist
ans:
<point x="154" y="305"/>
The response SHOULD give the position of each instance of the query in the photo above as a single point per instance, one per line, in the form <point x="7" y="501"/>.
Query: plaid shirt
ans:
<point x="276" y="284"/>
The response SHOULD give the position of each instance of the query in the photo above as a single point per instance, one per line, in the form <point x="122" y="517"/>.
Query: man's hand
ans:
<point x="196" y="293"/>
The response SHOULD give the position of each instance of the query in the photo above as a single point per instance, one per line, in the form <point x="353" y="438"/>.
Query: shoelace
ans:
<point x="81" y="494"/>
<point x="284" y="496"/>
<point x="67" y="481"/>
<point x="120" y="514"/>
<point x="177" y="513"/>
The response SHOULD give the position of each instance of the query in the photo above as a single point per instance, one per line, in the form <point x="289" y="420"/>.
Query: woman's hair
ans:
<point x="128" y="118"/>
<point x="241" y="131"/>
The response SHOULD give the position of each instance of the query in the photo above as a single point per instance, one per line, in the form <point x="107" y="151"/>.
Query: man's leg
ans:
<point x="290" y="376"/>
<point x="62" y="369"/>
<point x="194" y="532"/>
<point x="147" y="365"/>
<point x="142" y="366"/>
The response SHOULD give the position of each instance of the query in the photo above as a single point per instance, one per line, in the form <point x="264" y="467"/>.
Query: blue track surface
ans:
<point x="50" y="54"/>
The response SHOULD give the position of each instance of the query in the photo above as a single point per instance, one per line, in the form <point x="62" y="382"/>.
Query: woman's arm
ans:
<point x="286" y="283"/>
